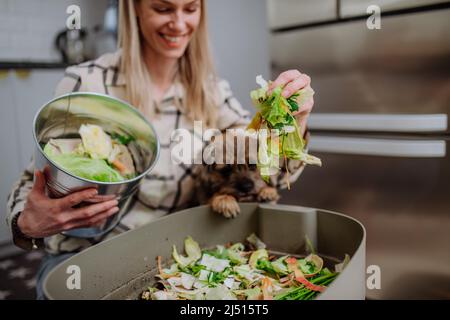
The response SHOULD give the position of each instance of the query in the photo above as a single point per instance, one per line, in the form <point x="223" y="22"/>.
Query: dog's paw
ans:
<point x="225" y="205"/>
<point x="268" y="194"/>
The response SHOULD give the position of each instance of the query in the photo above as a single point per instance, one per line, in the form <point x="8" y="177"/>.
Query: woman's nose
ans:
<point x="178" y="22"/>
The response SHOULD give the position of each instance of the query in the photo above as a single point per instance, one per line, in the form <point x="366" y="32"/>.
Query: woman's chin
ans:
<point x="173" y="54"/>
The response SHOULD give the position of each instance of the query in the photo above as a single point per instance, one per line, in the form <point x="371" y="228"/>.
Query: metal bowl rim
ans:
<point x="133" y="109"/>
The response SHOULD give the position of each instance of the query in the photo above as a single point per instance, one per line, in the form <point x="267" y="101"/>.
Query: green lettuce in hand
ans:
<point x="282" y="138"/>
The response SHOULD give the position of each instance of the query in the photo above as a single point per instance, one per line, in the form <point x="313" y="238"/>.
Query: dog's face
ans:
<point x="243" y="181"/>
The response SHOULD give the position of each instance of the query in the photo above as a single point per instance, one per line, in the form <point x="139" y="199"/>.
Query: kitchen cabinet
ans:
<point x="20" y="98"/>
<point x="352" y="8"/>
<point x="285" y="13"/>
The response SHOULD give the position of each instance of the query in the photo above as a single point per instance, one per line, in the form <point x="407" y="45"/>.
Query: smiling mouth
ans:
<point x="172" y="39"/>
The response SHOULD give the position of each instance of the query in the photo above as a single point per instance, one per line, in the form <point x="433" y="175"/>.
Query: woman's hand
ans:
<point x="43" y="216"/>
<point x="291" y="81"/>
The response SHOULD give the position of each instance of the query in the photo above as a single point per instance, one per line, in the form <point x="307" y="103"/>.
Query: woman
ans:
<point x="163" y="68"/>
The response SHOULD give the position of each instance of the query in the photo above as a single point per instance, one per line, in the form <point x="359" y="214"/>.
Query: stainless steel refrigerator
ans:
<point x="380" y="126"/>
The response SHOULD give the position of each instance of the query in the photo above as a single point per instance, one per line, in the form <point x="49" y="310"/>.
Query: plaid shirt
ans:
<point x="168" y="187"/>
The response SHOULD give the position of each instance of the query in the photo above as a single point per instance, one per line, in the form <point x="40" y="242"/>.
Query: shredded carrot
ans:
<point x="300" y="277"/>
<point x="266" y="284"/>
<point x="293" y="267"/>
<point x="119" y="165"/>
<point x="309" y="285"/>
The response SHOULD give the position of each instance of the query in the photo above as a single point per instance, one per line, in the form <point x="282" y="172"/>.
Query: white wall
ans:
<point x="28" y="27"/>
<point x="19" y="101"/>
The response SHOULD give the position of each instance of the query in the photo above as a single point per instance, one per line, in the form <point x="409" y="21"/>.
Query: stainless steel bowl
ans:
<point x="62" y="118"/>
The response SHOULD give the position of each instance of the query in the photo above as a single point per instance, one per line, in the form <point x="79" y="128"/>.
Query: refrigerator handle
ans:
<point x="379" y="122"/>
<point x="378" y="147"/>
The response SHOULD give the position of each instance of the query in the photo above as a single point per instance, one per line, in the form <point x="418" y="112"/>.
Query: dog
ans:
<point x="222" y="184"/>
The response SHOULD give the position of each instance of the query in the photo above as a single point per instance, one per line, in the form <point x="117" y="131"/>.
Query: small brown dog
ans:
<point x="224" y="185"/>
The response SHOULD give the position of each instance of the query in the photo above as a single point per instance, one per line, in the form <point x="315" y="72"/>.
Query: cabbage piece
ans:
<point x="220" y="292"/>
<point x="261" y="82"/>
<point x="234" y="254"/>
<point x="192" y="250"/>
<point x="214" y="264"/>
<point x="172" y="270"/>
<point x="251" y="294"/>
<point x="97" y="144"/>
<point x="268" y="156"/>
<point x="293" y="148"/>
<point x="163" y="295"/>
<point x="260" y="254"/>
<point x="187" y="280"/>
<point x="61" y="146"/>
<point x="229" y="282"/>
<point x="245" y="272"/>
<point x="256" y="242"/>
<point x="311" y="265"/>
<point x="204" y="275"/>
<point x="279" y="266"/>
<point x="91" y="169"/>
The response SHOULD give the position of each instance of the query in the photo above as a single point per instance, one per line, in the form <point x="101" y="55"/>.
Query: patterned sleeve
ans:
<point x="71" y="82"/>
<point x="18" y="196"/>
<point x="233" y="115"/>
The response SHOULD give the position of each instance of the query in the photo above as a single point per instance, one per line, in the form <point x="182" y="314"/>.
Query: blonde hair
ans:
<point x="195" y="69"/>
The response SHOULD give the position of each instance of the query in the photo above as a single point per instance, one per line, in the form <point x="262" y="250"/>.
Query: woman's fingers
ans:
<point x="99" y="224"/>
<point x="101" y="218"/>
<point x="76" y="198"/>
<point x="284" y="78"/>
<point x="92" y="210"/>
<point x="306" y="108"/>
<point x="291" y="81"/>
<point x="39" y="182"/>
<point x="95" y="220"/>
<point x="297" y="84"/>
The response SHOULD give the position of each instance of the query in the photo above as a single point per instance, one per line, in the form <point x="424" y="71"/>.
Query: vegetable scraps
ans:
<point x="96" y="156"/>
<point x="240" y="272"/>
<point x="278" y="131"/>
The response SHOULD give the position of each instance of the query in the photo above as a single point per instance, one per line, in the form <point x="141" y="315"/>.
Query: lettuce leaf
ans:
<point x="92" y="169"/>
<point x="97" y="144"/>
<point x="192" y="250"/>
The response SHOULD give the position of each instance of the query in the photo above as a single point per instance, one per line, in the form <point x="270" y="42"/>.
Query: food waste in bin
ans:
<point x="237" y="271"/>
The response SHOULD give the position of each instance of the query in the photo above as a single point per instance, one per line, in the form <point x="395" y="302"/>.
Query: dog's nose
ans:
<point x="245" y="185"/>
